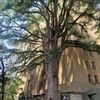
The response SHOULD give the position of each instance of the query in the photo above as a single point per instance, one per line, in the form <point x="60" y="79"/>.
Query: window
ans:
<point x="93" y="65"/>
<point x="96" y="79"/>
<point x="93" y="79"/>
<point x="87" y="64"/>
<point x="89" y="77"/>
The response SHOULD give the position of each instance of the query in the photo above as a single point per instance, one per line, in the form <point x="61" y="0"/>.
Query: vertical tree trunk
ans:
<point x="3" y="79"/>
<point x="52" y="79"/>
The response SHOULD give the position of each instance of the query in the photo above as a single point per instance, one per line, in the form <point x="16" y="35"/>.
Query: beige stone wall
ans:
<point x="73" y="72"/>
<point x="34" y="82"/>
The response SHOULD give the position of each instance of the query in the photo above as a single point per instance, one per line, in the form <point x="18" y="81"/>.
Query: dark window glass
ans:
<point x="93" y="65"/>
<point x="96" y="79"/>
<point x="89" y="77"/>
<point x="93" y="79"/>
<point x="87" y="64"/>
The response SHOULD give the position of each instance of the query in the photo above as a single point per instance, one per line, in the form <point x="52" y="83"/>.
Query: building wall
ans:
<point x="75" y="71"/>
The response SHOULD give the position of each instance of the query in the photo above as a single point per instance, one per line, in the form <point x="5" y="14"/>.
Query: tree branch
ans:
<point x="83" y="45"/>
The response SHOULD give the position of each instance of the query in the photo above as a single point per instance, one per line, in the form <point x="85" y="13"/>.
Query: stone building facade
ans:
<point x="79" y="72"/>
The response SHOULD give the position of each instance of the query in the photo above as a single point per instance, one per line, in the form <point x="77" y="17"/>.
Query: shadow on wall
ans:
<point x="72" y="61"/>
<point x="72" y="69"/>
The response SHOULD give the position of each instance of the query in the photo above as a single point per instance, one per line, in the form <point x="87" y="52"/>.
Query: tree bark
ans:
<point x="52" y="79"/>
<point x="3" y="79"/>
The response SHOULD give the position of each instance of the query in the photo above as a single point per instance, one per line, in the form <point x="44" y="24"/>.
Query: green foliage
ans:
<point x="31" y="27"/>
<point x="12" y="87"/>
<point x="56" y="52"/>
<point x="30" y="22"/>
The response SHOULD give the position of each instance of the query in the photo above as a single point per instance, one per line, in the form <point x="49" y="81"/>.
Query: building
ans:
<point x="79" y="72"/>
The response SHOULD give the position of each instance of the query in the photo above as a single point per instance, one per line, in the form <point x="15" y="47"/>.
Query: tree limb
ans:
<point x="83" y="45"/>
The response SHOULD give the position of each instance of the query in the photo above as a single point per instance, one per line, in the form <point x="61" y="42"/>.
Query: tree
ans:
<point x="12" y="87"/>
<point x="2" y="71"/>
<point x="2" y="78"/>
<point x="9" y="80"/>
<point x="47" y="27"/>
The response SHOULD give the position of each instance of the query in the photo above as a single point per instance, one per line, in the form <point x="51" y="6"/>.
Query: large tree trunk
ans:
<point x="52" y="66"/>
<point x="52" y="79"/>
